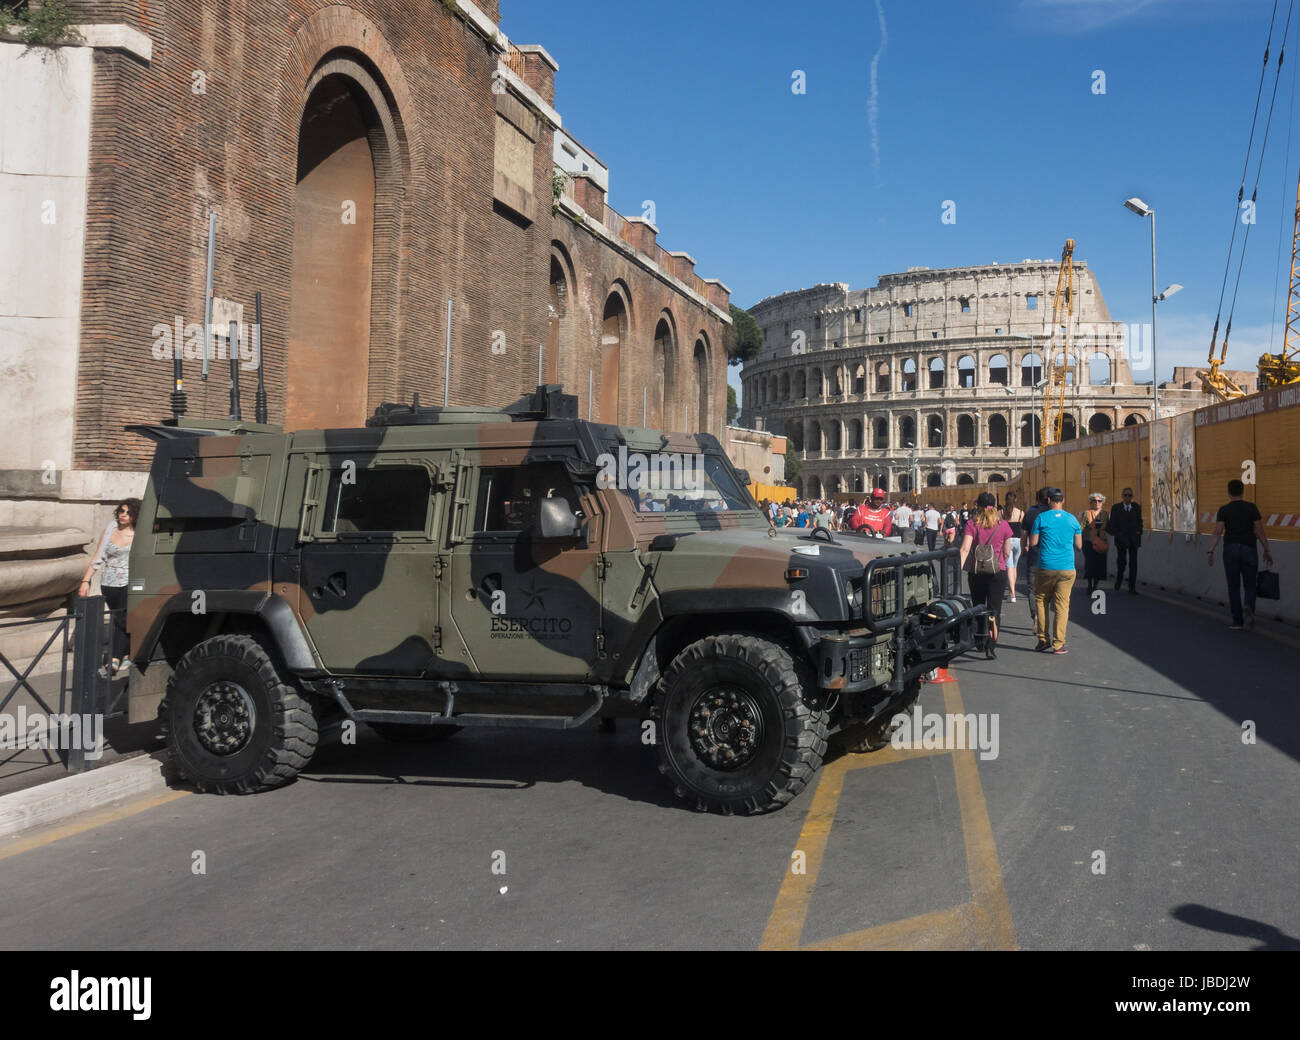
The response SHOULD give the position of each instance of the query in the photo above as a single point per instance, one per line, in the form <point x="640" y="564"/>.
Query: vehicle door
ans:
<point x="368" y="558"/>
<point x="520" y="606"/>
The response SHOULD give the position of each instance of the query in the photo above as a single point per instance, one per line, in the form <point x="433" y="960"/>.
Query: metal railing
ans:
<point x="84" y="685"/>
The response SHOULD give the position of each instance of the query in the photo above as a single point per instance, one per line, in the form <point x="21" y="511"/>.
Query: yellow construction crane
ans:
<point x="1274" y="369"/>
<point x="1060" y="355"/>
<point x="1284" y="369"/>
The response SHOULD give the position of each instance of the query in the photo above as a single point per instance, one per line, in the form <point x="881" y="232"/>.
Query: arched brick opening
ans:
<point x="704" y="386"/>
<point x="613" y="334"/>
<point x="662" y="390"/>
<point x="557" y="359"/>
<point x="346" y="244"/>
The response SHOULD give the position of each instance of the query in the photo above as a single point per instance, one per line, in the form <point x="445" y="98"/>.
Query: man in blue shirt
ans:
<point x="1056" y="536"/>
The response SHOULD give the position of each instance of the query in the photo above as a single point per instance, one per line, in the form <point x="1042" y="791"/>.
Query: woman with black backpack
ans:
<point x="984" y="559"/>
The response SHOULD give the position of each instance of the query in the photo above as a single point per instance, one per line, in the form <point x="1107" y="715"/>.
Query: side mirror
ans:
<point x="555" y="519"/>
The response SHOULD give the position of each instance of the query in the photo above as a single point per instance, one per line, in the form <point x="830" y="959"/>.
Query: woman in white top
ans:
<point x="113" y="554"/>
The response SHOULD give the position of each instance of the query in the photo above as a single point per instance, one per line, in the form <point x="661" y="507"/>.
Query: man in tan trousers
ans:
<point x="1056" y="536"/>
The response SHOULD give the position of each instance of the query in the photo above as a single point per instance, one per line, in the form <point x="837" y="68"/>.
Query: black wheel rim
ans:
<point x="224" y="718"/>
<point x="726" y="727"/>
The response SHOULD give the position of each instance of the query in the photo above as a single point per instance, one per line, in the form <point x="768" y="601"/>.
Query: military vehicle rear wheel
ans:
<point x="736" y="735"/>
<point x="401" y="733"/>
<point x="232" y="726"/>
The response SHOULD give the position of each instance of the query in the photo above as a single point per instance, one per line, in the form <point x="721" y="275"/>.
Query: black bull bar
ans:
<point x="942" y="629"/>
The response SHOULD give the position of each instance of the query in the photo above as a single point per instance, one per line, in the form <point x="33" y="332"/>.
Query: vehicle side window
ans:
<point x="386" y="499"/>
<point x="508" y="495"/>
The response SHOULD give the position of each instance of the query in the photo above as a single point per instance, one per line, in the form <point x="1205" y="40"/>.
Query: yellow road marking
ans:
<point x="984" y="923"/>
<point x="87" y="823"/>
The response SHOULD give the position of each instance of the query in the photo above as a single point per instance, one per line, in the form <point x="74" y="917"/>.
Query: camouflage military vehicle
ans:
<point x="451" y="567"/>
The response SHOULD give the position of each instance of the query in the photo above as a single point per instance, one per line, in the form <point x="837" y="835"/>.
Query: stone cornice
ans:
<point x="528" y="95"/>
<point x="599" y="230"/>
<point x="481" y="22"/>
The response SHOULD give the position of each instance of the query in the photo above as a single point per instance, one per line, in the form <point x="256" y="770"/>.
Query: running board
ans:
<point x="448" y="718"/>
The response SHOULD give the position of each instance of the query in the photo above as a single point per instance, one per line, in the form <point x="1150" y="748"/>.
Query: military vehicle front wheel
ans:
<point x="736" y="735"/>
<point x="232" y="726"/>
<point x="401" y="733"/>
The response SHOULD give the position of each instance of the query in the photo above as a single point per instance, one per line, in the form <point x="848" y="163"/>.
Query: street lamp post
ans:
<point x="1136" y="205"/>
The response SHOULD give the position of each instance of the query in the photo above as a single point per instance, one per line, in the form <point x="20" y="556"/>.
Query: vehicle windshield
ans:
<point x="661" y="482"/>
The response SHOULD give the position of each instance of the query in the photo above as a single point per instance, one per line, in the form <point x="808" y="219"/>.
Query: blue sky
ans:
<point x="989" y="104"/>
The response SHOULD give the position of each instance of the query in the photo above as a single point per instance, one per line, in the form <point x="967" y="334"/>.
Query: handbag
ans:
<point x="1268" y="585"/>
<point x="1099" y="542"/>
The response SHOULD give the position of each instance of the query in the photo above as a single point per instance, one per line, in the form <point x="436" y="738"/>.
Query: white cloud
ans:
<point x="1086" y="15"/>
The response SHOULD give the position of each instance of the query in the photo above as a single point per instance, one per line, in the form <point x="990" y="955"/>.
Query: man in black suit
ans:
<point x="1125" y="527"/>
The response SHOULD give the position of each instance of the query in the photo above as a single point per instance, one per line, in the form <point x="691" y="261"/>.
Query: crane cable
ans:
<point x="1245" y="166"/>
<point x="1288" y="215"/>
<point x="1259" y="169"/>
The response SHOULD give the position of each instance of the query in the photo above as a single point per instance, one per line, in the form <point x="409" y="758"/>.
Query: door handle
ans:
<point x="336" y="585"/>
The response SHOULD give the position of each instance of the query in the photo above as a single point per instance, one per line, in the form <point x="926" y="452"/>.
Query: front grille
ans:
<point x="918" y="590"/>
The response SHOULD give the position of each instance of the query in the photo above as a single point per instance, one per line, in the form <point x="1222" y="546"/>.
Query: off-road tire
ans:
<point x="403" y="733"/>
<point x="281" y="737"/>
<point x="792" y="735"/>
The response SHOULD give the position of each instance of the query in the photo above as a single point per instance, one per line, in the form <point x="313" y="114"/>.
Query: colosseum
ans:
<point x="851" y="377"/>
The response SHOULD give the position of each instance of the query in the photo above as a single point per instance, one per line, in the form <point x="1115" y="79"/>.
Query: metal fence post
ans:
<point x="87" y="647"/>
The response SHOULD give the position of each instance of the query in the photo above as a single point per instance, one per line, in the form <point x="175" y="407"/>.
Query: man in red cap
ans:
<point x="877" y="516"/>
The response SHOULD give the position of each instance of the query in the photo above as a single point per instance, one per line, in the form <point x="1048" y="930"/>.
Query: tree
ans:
<point x="791" y="463"/>
<point x="732" y="405"/>
<point x="743" y="339"/>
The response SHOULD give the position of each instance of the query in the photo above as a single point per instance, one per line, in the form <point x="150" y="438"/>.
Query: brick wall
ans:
<point x="162" y="153"/>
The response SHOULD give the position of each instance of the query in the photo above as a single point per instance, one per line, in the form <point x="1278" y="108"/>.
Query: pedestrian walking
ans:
<point x="1096" y="547"/>
<point x="1240" y="526"/>
<point x="949" y="527"/>
<point x="902" y="519"/>
<point x="984" y="559"/>
<point x="1015" y="517"/>
<point x="1056" y="535"/>
<point x="1030" y="556"/>
<point x="918" y="526"/>
<point x="932" y="521"/>
<point x="113" y="553"/>
<point x="1125" y="529"/>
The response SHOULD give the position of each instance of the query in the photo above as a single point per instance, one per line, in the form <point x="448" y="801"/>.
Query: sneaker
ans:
<point x="1061" y="650"/>
<point x="1234" y="627"/>
<point x="1043" y="645"/>
<point x="1250" y="617"/>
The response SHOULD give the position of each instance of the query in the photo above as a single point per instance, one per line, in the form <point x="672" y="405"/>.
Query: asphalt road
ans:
<point x="1130" y="746"/>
